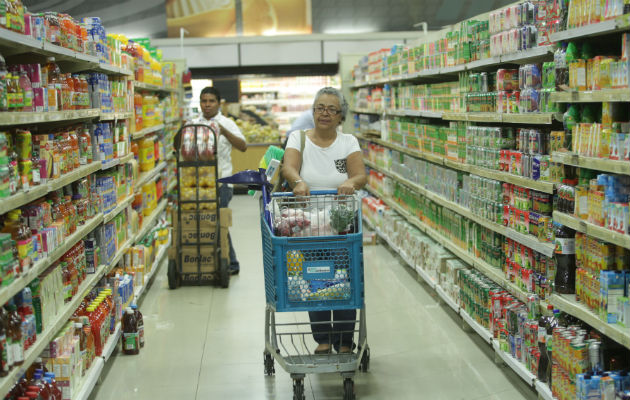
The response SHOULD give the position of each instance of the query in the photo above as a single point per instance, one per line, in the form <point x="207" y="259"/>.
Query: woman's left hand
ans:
<point x="346" y="188"/>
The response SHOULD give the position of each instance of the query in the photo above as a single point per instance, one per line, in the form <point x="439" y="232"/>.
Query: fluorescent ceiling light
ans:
<point x="350" y="29"/>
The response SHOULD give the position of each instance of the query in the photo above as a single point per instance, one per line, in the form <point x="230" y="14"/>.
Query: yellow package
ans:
<point x="605" y="72"/>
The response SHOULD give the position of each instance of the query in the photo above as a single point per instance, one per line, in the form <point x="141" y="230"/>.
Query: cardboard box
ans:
<point x="205" y="218"/>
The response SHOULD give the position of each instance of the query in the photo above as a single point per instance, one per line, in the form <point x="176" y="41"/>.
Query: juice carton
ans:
<point x="612" y="286"/>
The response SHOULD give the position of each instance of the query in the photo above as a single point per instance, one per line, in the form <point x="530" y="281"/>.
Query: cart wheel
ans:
<point x="348" y="389"/>
<point x="269" y="365"/>
<point x="224" y="274"/>
<point x="173" y="275"/>
<point x="298" y="389"/>
<point x="364" y="366"/>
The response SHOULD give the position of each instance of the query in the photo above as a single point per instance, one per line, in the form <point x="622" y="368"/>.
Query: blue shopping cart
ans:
<point x="313" y="261"/>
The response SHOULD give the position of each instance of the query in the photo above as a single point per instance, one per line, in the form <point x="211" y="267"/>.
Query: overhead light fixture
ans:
<point x="357" y="29"/>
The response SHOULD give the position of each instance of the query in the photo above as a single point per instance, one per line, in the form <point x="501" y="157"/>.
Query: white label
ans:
<point x="565" y="246"/>
<point x="36" y="176"/>
<point x="318" y="270"/>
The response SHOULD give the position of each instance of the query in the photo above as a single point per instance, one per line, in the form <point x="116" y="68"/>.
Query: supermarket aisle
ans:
<point x="206" y="343"/>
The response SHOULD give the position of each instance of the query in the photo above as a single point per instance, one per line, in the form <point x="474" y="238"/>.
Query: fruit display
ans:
<point x="255" y="133"/>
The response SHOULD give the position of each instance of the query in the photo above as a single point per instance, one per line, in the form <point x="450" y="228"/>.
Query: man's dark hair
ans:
<point x="211" y="90"/>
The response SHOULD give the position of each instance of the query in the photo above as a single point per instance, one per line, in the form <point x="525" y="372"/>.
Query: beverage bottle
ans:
<point x="56" y="391"/>
<point x="15" y="322"/>
<point x="54" y="84"/>
<point x="39" y="383"/>
<point x="11" y="93"/>
<point x="130" y="340"/>
<point x="38" y="365"/>
<point x="66" y="92"/>
<point x="137" y="104"/>
<point x="85" y="146"/>
<point x="74" y="144"/>
<point x="76" y="92"/>
<point x="565" y="259"/>
<point x="4" y="105"/>
<point x="5" y="321"/>
<point x="19" y="92"/>
<point x="561" y="68"/>
<point x="67" y="282"/>
<point x="140" y="322"/>
<point x="33" y="395"/>
<point x="27" y="89"/>
<point x="544" y="361"/>
<point x="4" y="349"/>
<point x="78" y="331"/>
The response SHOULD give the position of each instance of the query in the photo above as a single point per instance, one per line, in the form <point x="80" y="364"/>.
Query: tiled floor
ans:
<point x="207" y="342"/>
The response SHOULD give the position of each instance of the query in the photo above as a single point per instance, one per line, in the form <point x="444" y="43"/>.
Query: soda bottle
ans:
<point x="564" y="258"/>
<point x="140" y="321"/>
<point x="4" y="105"/>
<point x="131" y="343"/>
<point x="25" y="85"/>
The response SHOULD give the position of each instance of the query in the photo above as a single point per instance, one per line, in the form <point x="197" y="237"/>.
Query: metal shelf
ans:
<point x="40" y="266"/>
<point x="90" y="379"/>
<point x="147" y="131"/>
<point x="448" y="300"/>
<point x="147" y="177"/>
<point x="49" y="332"/>
<point x="111" y="344"/>
<point x="172" y="185"/>
<point x="528" y="240"/>
<point x="172" y="120"/>
<point x="25" y="197"/>
<point x="535" y="54"/>
<point x="150" y="221"/>
<point x="22" y="118"/>
<point x="116" y="116"/>
<point x="481" y="331"/>
<point x="593" y="230"/>
<point x="599" y="164"/>
<point x="568" y="304"/>
<point x="119" y="208"/>
<point x="153" y="88"/>
<point x="541" y="186"/>
<point x="159" y="258"/>
<point x="515" y="364"/>
<point x="602" y="28"/>
<point x="525" y="118"/>
<point x="544" y="392"/>
<point x="594" y="96"/>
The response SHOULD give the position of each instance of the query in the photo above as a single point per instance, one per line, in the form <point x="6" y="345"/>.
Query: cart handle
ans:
<point x="313" y="193"/>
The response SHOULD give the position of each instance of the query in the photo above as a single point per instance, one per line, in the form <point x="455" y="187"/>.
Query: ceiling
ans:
<point x="148" y="17"/>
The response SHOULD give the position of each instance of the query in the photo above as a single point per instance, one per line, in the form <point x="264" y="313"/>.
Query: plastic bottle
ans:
<point x="85" y="93"/>
<point x="130" y="340"/>
<point x="11" y="93"/>
<point x="545" y="358"/>
<point x="4" y="349"/>
<point x="27" y="90"/>
<point x="74" y="144"/>
<point x="565" y="259"/>
<point x="85" y="146"/>
<point x="4" y="105"/>
<point x="54" y="84"/>
<point x="56" y="391"/>
<point x="76" y="93"/>
<point x="66" y="92"/>
<point x="140" y="323"/>
<point x="561" y="69"/>
<point x="78" y="331"/>
<point x="137" y="104"/>
<point x="15" y="322"/>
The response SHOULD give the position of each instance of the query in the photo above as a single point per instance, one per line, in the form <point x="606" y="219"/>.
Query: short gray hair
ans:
<point x="334" y="92"/>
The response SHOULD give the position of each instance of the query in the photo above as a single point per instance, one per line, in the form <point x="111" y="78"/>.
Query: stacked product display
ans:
<point x="504" y="146"/>
<point x="82" y="231"/>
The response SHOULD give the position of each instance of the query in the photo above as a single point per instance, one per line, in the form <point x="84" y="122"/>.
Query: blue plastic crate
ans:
<point x="313" y="273"/>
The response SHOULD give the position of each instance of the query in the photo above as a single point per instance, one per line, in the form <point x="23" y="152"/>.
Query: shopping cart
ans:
<point x="313" y="261"/>
<point x="197" y="258"/>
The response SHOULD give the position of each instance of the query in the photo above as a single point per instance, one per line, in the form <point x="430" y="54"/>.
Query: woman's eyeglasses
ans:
<point x="329" y="110"/>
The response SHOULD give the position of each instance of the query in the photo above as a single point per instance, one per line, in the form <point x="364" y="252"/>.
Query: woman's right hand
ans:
<point x="301" y="189"/>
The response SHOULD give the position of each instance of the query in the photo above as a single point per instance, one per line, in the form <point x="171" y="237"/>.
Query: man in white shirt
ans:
<point x="231" y="136"/>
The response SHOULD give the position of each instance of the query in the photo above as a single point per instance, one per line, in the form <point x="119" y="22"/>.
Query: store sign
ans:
<point x="220" y="18"/>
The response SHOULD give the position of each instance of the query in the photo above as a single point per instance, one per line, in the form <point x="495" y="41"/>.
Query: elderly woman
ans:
<point x="332" y="160"/>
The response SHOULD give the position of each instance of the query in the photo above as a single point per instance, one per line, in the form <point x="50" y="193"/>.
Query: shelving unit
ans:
<point x="546" y="187"/>
<point x="592" y="96"/>
<point x="18" y="48"/>
<point x="22" y="118"/>
<point x="603" y="28"/>
<point x="568" y="304"/>
<point x="116" y="116"/>
<point x="153" y="88"/>
<point x="521" y="57"/>
<point x="599" y="164"/>
<point x="150" y="221"/>
<point x="146" y="177"/>
<point x="593" y="230"/>
<point x="147" y="131"/>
